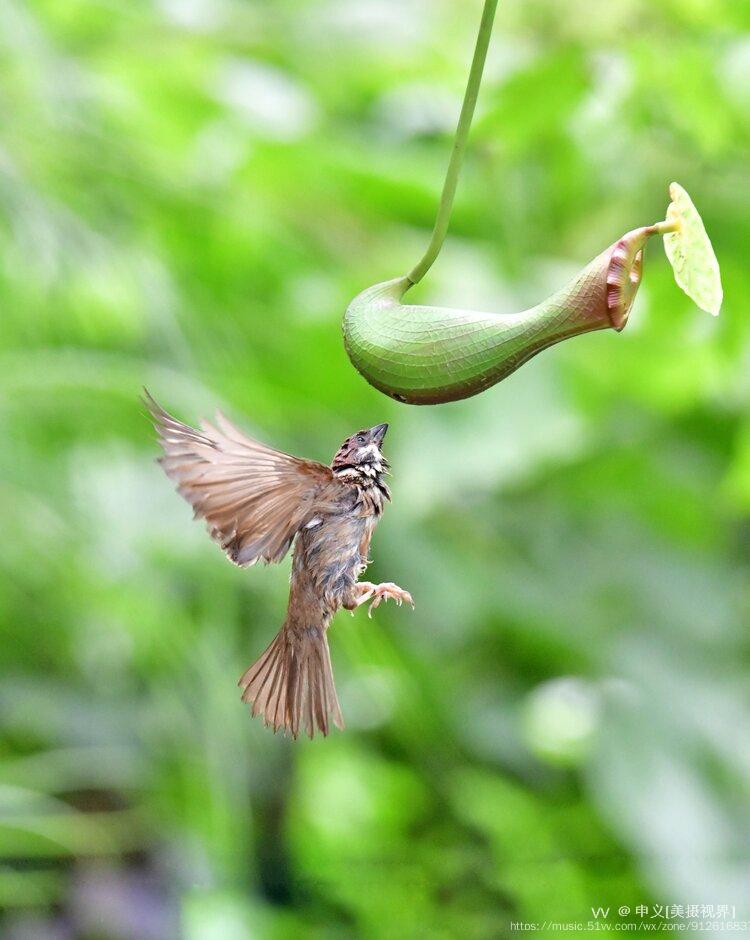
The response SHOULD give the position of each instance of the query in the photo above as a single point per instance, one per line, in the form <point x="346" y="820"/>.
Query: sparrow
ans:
<point x="256" y="502"/>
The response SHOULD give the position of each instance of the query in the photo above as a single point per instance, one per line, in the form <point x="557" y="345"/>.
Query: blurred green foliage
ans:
<point x="190" y="193"/>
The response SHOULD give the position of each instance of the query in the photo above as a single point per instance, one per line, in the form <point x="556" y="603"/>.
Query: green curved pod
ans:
<point x="427" y="355"/>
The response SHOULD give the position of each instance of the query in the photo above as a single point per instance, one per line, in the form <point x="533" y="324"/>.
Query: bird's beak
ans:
<point x="378" y="433"/>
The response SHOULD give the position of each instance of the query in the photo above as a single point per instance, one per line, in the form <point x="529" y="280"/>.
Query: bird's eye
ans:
<point x="360" y="438"/>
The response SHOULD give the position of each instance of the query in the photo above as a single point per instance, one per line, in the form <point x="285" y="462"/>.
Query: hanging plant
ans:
<point x="425" y="355"/>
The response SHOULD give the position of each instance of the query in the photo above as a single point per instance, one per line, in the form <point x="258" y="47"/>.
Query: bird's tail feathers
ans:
<point x="291" y="684"/>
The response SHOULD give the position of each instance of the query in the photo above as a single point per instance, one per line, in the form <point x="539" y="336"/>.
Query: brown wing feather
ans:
<point x="254" y="498"/>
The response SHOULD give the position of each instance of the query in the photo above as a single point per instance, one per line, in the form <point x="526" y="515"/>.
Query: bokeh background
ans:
<point x="190" y="193"/>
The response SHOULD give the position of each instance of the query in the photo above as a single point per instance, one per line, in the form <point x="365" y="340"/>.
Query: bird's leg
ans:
<point x="366" y="590"/>
<point x="363" y="591"/>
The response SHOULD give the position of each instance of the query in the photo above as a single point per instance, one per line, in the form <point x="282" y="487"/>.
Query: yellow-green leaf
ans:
<point x="691" y="254"/>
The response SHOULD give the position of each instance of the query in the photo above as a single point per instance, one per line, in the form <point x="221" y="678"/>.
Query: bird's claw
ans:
<point x="388" y="591"/>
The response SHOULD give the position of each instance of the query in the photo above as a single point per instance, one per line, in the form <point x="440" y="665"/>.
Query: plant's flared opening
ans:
<point x="624" y="275"/>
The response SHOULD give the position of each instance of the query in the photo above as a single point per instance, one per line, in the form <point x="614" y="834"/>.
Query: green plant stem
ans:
<point x="459" y="145"/>
<point x="669" y="225"/>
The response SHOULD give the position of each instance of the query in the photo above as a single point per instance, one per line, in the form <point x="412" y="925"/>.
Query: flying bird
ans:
<point x="256" y="502"/>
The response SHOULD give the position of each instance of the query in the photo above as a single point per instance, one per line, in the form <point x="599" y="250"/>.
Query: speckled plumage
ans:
<point x="256" y="501"/>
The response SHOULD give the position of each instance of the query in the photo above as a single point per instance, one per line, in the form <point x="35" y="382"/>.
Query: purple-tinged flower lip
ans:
<point x="624" y="274"/>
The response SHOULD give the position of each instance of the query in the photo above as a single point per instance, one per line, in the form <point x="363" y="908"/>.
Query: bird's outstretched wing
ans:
<point x="254" y="499"/>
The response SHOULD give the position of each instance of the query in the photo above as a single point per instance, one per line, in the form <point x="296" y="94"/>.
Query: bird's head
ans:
<point x="362" y="452"/>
